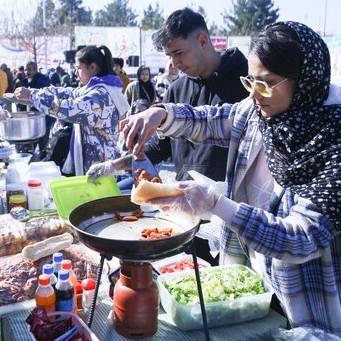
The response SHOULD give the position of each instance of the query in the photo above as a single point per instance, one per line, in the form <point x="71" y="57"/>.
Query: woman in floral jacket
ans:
<point x="96" y="107"/>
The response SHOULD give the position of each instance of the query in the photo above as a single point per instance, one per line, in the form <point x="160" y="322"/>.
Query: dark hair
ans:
<point x="101" y="56"/>
<point x="278" y="48"/>
<point x="118" y="61"/>
<point x="140" y="69"/>
<point x="180" y="24"/>
<point x="33" y="64"/>
<point x="21" y="68"/>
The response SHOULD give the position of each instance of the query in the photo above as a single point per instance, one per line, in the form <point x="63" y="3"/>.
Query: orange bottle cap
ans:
<point x="66" y="264"/>
<point x="44" y="279"/>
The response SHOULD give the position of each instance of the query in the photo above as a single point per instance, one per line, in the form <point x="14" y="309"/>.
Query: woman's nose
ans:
<point x="254" y="93"/>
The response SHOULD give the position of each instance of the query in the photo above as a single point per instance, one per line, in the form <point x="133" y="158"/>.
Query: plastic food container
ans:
<point x="171" y="263"/>
<point x="76" y="321"/>
<point x="188" y="316"/>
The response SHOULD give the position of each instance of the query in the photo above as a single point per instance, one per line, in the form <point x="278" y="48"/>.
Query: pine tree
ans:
<point x="152" y="18"/>
<point x="250" y="16"/>
<point x="72" y="12"/>
<point x="117" y="13"/>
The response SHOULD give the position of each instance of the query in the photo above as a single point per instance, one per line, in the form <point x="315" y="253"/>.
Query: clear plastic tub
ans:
<point x="76" y="321"/>
<point x="188" y="316"/>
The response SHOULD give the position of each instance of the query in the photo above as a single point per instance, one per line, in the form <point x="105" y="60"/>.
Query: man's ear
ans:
<point x="203" y="39"/>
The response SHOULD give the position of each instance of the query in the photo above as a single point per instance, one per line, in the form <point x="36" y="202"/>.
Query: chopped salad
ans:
<point x="218" y="284"/>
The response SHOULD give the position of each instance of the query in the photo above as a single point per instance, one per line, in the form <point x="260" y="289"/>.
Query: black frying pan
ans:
<point x="87" y="217"/>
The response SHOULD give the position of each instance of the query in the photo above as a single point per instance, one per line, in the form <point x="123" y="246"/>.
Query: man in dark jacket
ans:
<point x="210" y="78"/>
<point x="37" y="80"/>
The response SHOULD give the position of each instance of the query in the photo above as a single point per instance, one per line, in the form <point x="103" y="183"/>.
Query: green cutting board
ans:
<point x="68" y="193"/>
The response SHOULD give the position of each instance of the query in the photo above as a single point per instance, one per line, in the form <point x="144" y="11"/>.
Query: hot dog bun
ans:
<point x="147" y="190"/>
<point x="47" y="247"/>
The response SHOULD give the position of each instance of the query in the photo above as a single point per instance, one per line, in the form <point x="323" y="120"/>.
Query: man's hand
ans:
<point x="139" y="128"/>
<point x="22" y="94"/>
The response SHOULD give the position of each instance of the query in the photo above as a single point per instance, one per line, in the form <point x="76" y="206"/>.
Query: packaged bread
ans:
<point x="15" y="235"/>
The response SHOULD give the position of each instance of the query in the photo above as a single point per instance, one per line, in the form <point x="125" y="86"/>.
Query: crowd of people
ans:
<point x="268" y="125"/>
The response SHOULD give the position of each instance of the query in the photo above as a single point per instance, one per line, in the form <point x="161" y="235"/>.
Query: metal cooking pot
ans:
<point x="95" y="215"/>
<point x="23" y="126"/>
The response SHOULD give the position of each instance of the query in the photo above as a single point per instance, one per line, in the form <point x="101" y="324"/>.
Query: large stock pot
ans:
<point x="23" y="126"/>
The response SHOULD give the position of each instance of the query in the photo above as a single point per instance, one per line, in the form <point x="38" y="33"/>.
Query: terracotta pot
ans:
<point x="136" y="301"/>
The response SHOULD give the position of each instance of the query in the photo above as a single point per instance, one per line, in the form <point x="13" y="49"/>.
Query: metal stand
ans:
<point x="98" y="282"/>
<point x="197" y="277"/>
<point x="201" y="296"/>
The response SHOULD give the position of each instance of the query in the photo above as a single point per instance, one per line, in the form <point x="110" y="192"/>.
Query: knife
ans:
<point x="132" y="163"/>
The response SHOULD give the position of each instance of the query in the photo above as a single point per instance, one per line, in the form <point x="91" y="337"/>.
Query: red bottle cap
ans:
<point x="66" y="264"/>
<point x="34" y="183"/>
<point x="44" y="279"/>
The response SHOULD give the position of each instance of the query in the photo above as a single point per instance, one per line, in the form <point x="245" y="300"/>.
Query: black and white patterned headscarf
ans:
<point x="303" y="145"/>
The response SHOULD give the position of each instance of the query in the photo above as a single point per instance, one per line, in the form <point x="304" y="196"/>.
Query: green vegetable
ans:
<point x="218" y="284"/>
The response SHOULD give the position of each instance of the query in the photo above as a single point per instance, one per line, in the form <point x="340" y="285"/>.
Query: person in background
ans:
<point x="163" y="82"/>
<point x="36" y="80"/>
<point x="3" y="83"/>
<point x="19" y="77"/>
<point x="65" y="80"/>
<point x="142" y="88"/>
<point x="56" y="76"/>
<point x="118" y="64"/>
<point x="94" y="108"/>
<point x="10" y="78"/>
<point x="209" y="78"/>
<point x="283" y="199"/>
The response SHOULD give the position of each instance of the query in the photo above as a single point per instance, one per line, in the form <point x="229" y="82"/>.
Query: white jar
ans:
<point x="35" y="195"/>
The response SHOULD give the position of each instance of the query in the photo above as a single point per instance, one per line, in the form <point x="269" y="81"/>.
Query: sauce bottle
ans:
<point x="67" y="266"/>
<point x="64" y="293"/>
<point x="48" y="270"/>
<point x="35" y="195"/>
<point x="45" y="296"/>
<point x="56" y="262"/>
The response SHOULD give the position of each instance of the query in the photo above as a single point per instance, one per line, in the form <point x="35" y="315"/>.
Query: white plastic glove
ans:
<point x="197" y="201"/>
<point x="4" y="115"/>
<point x="105" y="168"/>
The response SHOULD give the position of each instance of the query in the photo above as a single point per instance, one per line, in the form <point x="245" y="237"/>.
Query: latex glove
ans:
<point x="197" y="201"/>
<point x="106" y="168"/>
<point x="4" y="115"/>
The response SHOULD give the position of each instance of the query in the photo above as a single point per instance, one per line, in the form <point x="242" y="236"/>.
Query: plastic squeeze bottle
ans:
<point x="45" y="296"/>
<point x="67" y="266"/>
<point x="48" y="270"/>
<point x="64" y="293"/>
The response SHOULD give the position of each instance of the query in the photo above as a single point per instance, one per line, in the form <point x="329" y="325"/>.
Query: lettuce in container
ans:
<point x="232" y="294"/>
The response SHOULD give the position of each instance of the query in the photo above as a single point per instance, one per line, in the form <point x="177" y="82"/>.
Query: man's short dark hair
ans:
<point x="118" y="61"/>
<point x="180" y="24"/>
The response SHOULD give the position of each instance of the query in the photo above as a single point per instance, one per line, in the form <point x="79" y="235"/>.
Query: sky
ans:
<point x="321" y="15"/>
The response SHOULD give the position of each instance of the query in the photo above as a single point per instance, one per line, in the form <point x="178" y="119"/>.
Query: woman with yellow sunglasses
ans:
<point x="283" y="198"/>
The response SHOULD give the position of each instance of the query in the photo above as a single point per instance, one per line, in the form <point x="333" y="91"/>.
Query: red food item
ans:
<point x="155" y="233"/>
<point x="180" y="266"/>
<point x="88" y="284"/>
<point x="79" y="288"/>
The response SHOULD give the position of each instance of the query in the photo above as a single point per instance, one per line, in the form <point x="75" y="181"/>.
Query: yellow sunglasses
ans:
<point x="262" y="87"/>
